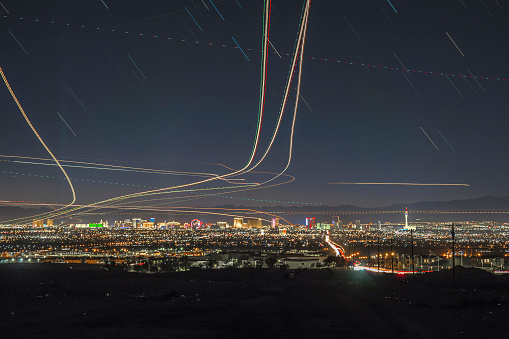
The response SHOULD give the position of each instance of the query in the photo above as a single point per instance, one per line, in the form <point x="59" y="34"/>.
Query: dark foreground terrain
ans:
<point x="55" y="301"/>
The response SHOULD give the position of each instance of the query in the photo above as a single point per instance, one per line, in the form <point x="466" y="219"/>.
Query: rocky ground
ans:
<point x="55" y="300"/>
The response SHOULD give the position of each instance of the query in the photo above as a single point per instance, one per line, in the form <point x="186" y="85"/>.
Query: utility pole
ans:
<point x="378" y="256"/>
<point x="392" y="257"/>
<point x="412" y="240"/>
<point x="453" y="263"/>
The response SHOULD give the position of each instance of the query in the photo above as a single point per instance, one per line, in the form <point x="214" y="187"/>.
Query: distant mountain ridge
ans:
<point x="477" y="204"/>
<point x="485" y="203"/>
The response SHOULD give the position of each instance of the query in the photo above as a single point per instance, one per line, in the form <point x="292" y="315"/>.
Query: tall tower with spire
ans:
<point x="406" y="221"/>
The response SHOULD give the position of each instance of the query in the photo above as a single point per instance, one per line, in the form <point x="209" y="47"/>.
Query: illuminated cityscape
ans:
<point x="261" y="168"/>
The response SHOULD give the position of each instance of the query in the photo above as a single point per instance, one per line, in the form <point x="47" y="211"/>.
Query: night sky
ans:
<point x="142" y="85"/>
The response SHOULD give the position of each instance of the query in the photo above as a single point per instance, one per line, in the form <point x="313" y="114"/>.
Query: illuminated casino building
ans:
<point x="310" y="222"/>
<point x="238" y="222"/>
<point x="275" y="222"/>
<point x="254" y="223"/>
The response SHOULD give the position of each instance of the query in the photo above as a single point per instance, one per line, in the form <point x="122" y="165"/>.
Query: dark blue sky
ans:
<point x="194" y="101"/>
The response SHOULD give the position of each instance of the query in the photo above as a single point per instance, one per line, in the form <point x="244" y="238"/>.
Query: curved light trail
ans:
<point x="245" y="169"/>
<point x="265" y="38"/>
<point x="39" y="137"/>
<point x="299" y="44"/>
<point x="297" y="96"/>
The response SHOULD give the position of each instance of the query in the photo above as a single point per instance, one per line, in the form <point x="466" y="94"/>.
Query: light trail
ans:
<point x="411" y="84"/>
<point x="134" y="169"/>
<point x="275" y="50"/>
<point x="65" y="122"/>
<point x="4" y="8"/>
<point x="217" y="10"/>
<point x="374" y="212"/>
<point x="468" y="83"/>
<point x="377" y="212"/>
<point x="461" y="95"/>
<point x="338" y="249"/>
<point x="112" y="29"/>
<point x="179" y="209"/>
<point x="113" y="61"/>
<point x="70" y="90"/>
<point x="404" y="68"/>
<point x="353" y="30"/>
<point x="105" y="4"/>
<point x="139" y="80"/>
<point x="19" y="43"/>
<point x="429" y="138"/>
<point x="455" y="44"/>
<point x="39" y="137"/>
<point x="262" y="101"/>
<point x="447" y="142"/>
<point x="298" y="44"/>
<point x="475" y="78"/>
<point x="240" y="48"/>
<point x="192" y="17"/>
<point x="152" y="171"/>
<point x="297" y="96"/>
<point x="392" y="6"/>
<point x="139" y="70"/>
<point x="394" y="183"/>
<point x="262" y="104"/>
<point x="304" y="100"/>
